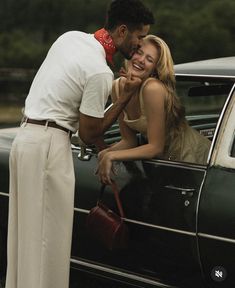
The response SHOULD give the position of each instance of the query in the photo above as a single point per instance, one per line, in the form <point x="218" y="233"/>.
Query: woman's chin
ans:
<point x="136" y="74"/>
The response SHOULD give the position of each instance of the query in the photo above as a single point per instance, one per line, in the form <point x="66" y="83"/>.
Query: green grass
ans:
<point x="10" y="114"/>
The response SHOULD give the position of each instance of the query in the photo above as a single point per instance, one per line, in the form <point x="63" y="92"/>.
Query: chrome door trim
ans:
<point x="225" y="239"/>
<point x="231" y="240"/>
<point x="214" y="237"/>
<point x="161" y="227"/>
<point x="81" y="210"/>
<point x="4" y="194"/>
<point x="146" y="224"/>
<point x="119" y="273"/>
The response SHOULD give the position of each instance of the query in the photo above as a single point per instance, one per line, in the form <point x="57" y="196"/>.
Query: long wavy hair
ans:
<point x="164" y="71"/>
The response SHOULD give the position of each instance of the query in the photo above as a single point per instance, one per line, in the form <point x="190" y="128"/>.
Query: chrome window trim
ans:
<point x="222" y="155"/>
<point x="205" y="75"/>
<point x="119" y="273"/>
<point x="210" y="154"/>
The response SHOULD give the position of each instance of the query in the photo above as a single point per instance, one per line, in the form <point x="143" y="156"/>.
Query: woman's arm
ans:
<point x="128" y="137"/>
<point x="154" y="97"/>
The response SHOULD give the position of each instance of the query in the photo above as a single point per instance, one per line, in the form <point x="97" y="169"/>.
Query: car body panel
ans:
<point x="216" y="229"/>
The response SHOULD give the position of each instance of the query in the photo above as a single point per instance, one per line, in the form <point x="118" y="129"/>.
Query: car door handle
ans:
<point x="184" y="191"/>
<point x="82" y="152"/>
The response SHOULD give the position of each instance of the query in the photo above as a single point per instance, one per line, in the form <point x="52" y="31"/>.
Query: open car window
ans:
<point x="203" y="99"/>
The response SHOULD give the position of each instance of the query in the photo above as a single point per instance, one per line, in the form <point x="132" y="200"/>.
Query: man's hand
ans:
<point x="131" y="85"/>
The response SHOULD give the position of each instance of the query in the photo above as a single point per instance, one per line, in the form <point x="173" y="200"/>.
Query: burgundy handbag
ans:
<point x="106" y="226"/>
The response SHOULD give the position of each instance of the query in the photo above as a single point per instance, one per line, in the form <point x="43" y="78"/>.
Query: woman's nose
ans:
<point x="141" y="58"/>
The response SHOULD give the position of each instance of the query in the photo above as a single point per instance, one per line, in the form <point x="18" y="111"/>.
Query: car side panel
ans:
<point x="155" y="251"/>
<point x="216" y="227"/>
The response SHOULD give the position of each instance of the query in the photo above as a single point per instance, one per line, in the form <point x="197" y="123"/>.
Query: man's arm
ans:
<point x="91" y="129"/>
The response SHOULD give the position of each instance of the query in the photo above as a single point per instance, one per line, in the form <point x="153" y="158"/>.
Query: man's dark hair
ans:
<point x="132" y="13"/>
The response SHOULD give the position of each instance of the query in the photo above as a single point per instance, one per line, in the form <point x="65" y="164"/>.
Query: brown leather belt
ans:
<point x="48" y="124"/>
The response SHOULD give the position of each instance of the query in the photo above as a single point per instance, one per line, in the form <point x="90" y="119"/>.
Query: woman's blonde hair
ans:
<point x="164" y="71"/>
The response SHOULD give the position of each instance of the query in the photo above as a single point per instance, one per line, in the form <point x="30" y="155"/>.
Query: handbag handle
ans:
<point x="116" y="195"/>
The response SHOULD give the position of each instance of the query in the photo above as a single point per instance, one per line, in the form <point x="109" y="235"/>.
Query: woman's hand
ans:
<point x="101" y="154"/>
<point x="105" y="168"/>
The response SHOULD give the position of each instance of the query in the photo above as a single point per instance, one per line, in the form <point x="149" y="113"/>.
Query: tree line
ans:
<point x="194" y="30"/>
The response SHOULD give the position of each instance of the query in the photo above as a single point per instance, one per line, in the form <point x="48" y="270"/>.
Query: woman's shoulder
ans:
<point x="153" y="85"/>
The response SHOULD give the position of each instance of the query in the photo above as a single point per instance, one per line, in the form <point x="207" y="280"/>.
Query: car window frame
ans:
<point x="225" y="135"/>
<point x="183" y="163"/>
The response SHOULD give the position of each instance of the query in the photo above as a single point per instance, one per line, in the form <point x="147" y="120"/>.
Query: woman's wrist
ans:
<point x="110" y="155"/>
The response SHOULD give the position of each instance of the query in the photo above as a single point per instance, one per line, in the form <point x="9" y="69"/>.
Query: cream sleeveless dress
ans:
<point x="189" y="146"/>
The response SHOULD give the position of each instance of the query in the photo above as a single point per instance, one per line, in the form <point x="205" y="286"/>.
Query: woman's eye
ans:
<point x="150" y="60"/>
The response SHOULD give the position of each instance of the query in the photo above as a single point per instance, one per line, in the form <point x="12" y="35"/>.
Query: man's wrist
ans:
<point x="122" y="101"/>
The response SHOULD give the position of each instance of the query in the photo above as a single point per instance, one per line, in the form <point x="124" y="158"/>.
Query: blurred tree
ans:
<point x="18" y="50"/>
<point x="193" y="29"/>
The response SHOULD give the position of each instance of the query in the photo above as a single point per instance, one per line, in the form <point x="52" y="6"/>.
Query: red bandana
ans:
<point x="107" y="42"/>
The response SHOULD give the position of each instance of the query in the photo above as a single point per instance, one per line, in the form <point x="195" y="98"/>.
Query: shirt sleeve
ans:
<point x="95" y="95"/>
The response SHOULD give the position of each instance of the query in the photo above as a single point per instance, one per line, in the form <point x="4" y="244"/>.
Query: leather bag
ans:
<point x="106" y="226"/>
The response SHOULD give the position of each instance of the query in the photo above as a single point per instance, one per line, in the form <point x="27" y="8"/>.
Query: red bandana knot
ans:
<point x="106" y="41"/>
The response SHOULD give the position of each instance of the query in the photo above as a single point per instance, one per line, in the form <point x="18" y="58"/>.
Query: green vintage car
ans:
<point x="181" y="216"/>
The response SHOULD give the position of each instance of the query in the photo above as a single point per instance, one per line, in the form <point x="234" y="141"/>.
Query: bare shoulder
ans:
<point x="155" y="86"/>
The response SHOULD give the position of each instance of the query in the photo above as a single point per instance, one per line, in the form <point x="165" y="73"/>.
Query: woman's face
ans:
<point x="144" y="61"/>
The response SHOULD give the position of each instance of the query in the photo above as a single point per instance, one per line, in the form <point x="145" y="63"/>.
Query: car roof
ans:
<point x="219" y="67"/>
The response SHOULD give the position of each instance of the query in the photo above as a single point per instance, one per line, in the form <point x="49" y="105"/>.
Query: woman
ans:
<point x="155" y="111"/>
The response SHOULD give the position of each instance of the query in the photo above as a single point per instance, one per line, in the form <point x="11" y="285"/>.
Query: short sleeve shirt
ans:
<point x="73" y="78"/>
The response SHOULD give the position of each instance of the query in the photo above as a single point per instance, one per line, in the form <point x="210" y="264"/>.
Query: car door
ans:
<point x="216" y="225"/>
<point x="175" y="187"/>
<point x="160" y="200"/>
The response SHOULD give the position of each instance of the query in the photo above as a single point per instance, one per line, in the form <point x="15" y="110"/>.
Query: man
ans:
<point x="69" y="92"/>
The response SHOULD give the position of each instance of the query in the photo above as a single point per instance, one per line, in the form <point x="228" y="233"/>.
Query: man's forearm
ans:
<point x="100" y="144"/>
<point x="110" y="117"/>
<point x="112" y="114"/>
<point x="132" y="84"/>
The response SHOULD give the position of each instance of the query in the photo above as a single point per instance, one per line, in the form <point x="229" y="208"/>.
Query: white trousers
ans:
<point x="40" y="209"/>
